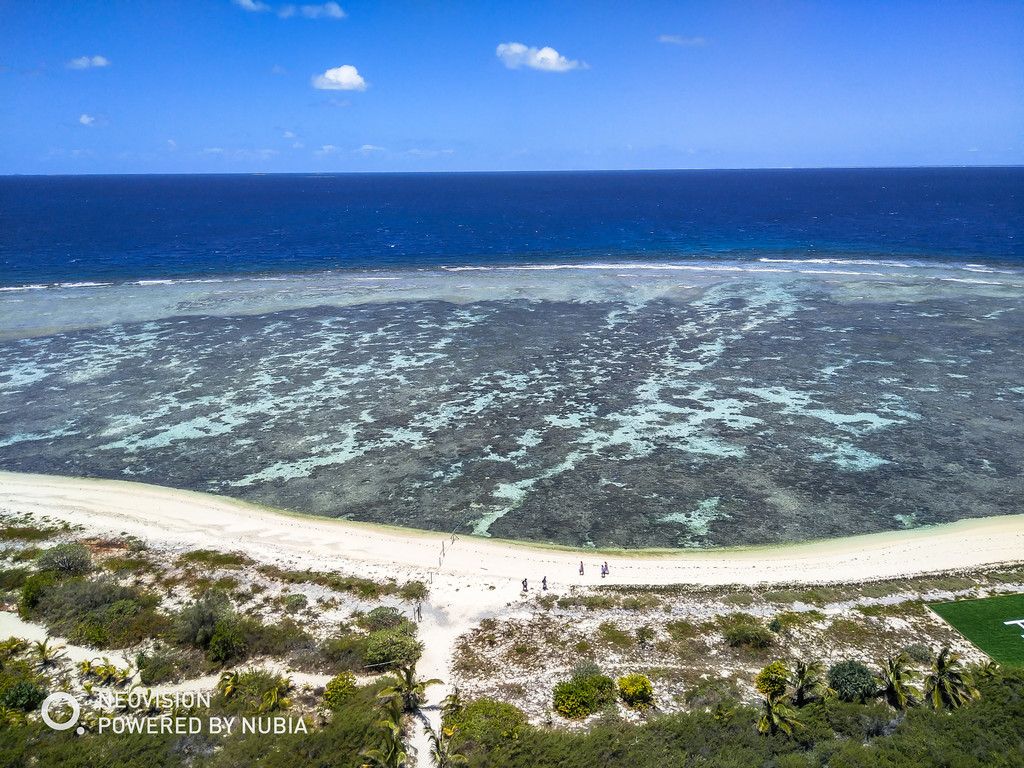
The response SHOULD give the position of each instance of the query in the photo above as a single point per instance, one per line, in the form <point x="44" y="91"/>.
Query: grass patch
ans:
<point x="365" y="588"/>
<point x="983" y="623"/>
<point x="609" y="632"/>
<point x="214" y="559"/>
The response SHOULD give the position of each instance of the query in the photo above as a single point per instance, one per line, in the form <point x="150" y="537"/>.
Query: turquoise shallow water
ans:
<point x="679" y="405"/>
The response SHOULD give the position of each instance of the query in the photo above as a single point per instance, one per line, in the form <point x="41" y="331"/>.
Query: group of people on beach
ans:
<point x="604" y="569"/>
<point x="544" y="582"/>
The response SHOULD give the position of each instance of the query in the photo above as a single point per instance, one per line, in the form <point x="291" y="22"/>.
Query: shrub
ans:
<point x="296" y="602"/>
<point x="636" y="691"/>
<point x="486" y="724"/>
<point x="195" y="624"/>
<point x="583" y="696"/>
<point x="65" y="559"/>
<point x="90" y="631"/>
<point x="752" y="635"/>
<point x="919" y="652"/>
<point x="851" y="680"/>
<point x="226" y="642"/>
<point x="610" y="633"/>
<point x="585" y="669"/>
<point x="392" y="647"/>
<point x="13" y="578"/>
<point x="339" y="689"/>
<point x="23" y="695"/>
<point x="771" y="682"/>
<point x="33" y="589"/>
<point x="346" y="652"/>
<point x="253" y="691"/>
<point x="273" y="639"/>
<point x="384" y="617"/>
<point x="156" y="669"/>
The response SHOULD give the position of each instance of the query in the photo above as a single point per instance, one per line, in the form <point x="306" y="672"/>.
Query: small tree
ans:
<point x="772" y="681"/>
<point x="407" y="689"/>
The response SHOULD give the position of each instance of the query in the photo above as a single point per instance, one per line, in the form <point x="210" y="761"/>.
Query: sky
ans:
<point x="239" y="86"/>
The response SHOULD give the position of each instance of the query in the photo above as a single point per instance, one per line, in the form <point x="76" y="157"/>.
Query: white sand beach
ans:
<point x="190" y="520"/>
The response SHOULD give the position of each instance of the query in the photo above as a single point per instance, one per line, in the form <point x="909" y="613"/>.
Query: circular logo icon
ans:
<point x="60" y="698"/>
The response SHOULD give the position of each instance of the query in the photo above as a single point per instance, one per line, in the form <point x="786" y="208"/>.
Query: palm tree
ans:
<point x="46" y="653"/>
<point x="13" y="646"/>
<point x="895" y="682"/>
<point x="228" y="684"/>
<point x="808" y="681"/>
<point x="391" y="752"/>
<point x="948" y="685"/>
<point x="408" y="688"/>
<point x="777" y="715"/>
<point x="441" y="752"/>
<point x="451" y="705"/>
<point x="274" y="697"/>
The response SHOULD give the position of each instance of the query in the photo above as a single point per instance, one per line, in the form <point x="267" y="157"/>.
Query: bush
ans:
<point x="919" y="652"/>
<point x="156" y="669"/>
<point x="486" y="724"/>
<point x="583" y="696"/>
<point x="65" y="559"/>
<point x="339" y="689"/>
<point x="296" y="602"/>
<point x="585" y="669"/>
<point x="392" y="647"/>
<point x="23" y="695"/>
<point x="226" y="643"/>
<point x="346" y="652"/>
<point x="90" y="631"/>
<point x="254" y="691"/>
<point x="636" y="691"/>
<point x="195" y="624"/>
<point x="100" y="612"/>
<point x="751" y="635"/>
<point x="384" y="617"/>
<point x="851" y="680"/>
<point x="32" y="591"/>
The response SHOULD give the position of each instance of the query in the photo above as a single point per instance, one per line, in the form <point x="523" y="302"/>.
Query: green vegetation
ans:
<point x="365" y="588"/>
<point x="338" y="689"/>
<point x="65" y="559"/>
<point x="636" y="691"/>
<point x="851" y="681"/>
<point x="583" y="695"/>
<point x="213" y="559"/>
<point x="773" y="680"/>
<point x="742" y="629"/>
<point x="485" y="726"/>
<point x="983" y="623"/>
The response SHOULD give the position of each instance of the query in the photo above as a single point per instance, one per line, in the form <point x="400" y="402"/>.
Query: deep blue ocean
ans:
<point x="68" y="229"/>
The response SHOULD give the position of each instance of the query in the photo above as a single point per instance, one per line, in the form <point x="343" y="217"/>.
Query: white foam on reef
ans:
<point x="39" y="310"/>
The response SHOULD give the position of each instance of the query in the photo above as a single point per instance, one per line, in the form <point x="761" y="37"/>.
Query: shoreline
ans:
<point x="194" y="520"/>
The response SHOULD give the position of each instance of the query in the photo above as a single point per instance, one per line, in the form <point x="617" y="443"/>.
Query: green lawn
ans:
<point x="982" y="622"/>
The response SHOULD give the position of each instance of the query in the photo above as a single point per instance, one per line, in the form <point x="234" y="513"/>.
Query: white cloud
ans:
<point x="326" y="11"/>
<point x="252" y="5"/>
<point x="86" y="120"/>
<point x="277" y="69"/>
<point x="214" y="151"/>
<point x="88" y="62"/>
<point x="679" y="40"/>
<point x="327" y="149"/>
<point x="366" y="149"/>
<point x="516" y="55"/>
<point x="343" y="78"/>
<point x="289" y="135"/>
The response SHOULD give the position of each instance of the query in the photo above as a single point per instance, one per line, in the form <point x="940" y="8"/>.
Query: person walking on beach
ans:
<point x="544" y="583"/>
<point x="581" y="567"/>
<point x="524" y="585"/>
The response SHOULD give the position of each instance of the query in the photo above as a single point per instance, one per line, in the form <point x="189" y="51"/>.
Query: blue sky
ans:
<point x="247" y="85"/>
